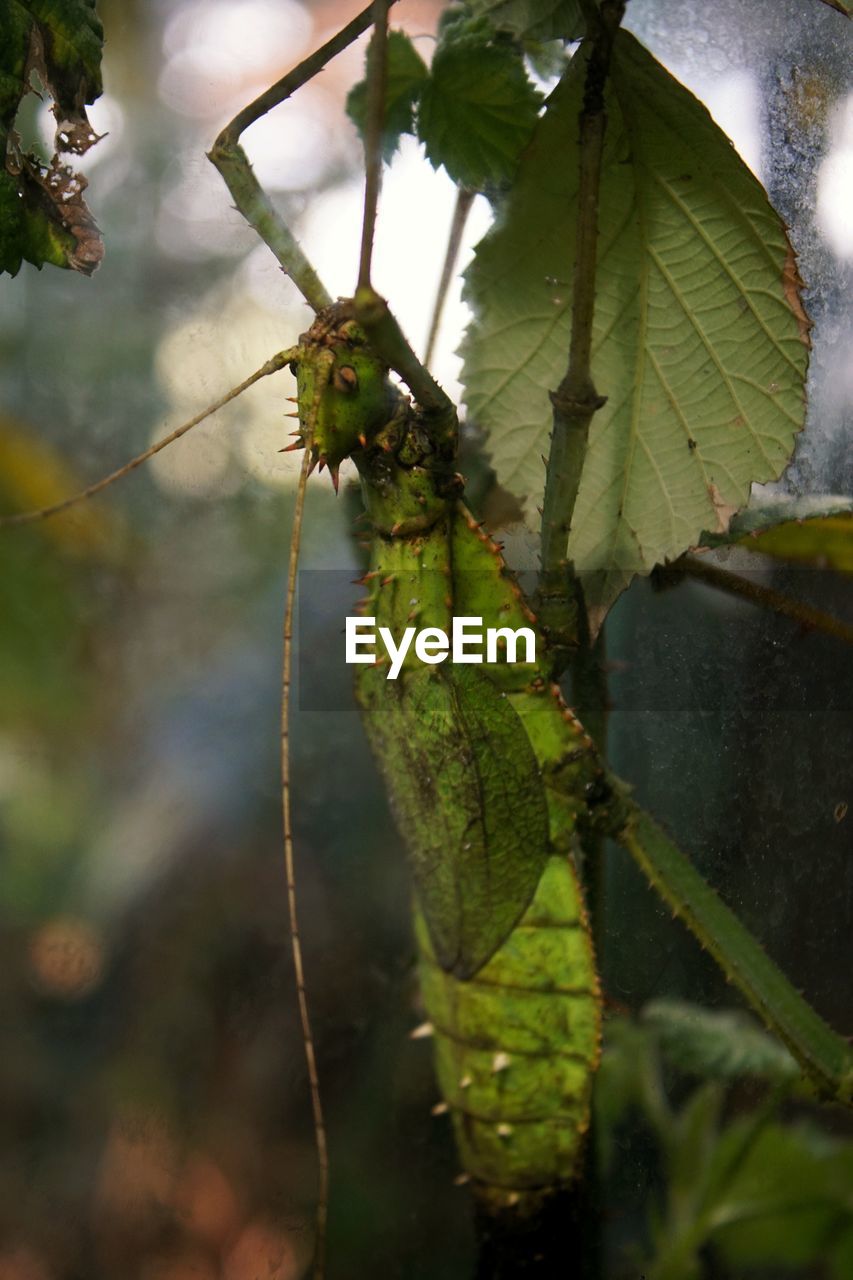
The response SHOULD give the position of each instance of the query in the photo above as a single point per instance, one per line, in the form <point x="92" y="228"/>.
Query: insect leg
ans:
<point x="826" y="1058"/>
<point x="231" y="161"/>
<point x="325" y="361"/>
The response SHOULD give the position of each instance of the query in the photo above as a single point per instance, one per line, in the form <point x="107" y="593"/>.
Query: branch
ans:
<point x="464" y="200"/>
<point x="576" y="399"/>
<point x="735" y="585"/>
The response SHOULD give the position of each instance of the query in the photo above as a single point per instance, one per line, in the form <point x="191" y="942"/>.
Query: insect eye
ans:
<point x="345" y="378"/>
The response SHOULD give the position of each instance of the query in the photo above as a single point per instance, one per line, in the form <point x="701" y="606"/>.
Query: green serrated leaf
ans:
<point x="43" y="217"/>
<point x="477" y="111"/>
<point x="533" y="19"/>
<point x="466" y="788"/>
<point x="722" y="1045"/>
<point x="406" y="75"/>
<point x="700" y="342"/>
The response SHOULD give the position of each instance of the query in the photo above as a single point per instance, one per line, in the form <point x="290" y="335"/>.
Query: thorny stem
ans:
<point x="464" y="200"/>
<point x="279" y="361"/>
<point x="732" y="583"/>
<point x="289" y="860"/>
<point x="248" y="195"/>
<point x="576" y="399"/>
<point x="377" y="62"/>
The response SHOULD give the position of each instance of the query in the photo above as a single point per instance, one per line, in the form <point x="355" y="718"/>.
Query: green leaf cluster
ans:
<point x="474" y="109"/>
<point x="43" y="217"/>
<point x="533" y="20"/>
<point x="406" y="76"/>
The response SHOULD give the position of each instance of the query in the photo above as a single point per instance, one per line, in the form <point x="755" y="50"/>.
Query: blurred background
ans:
<point x="154" y="1114"/>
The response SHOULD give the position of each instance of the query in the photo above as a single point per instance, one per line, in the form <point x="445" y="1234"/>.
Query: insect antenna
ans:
<point x="323" y="370"/>
<point x="277" y="362"/>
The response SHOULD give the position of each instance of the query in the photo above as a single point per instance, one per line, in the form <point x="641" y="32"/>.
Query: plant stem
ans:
<point x="733" y="584"/>
<point x="252" y="201"/>
<point x="464" y="200"/>
<point x="377" y="64"/>
<point x="576" y="399"/>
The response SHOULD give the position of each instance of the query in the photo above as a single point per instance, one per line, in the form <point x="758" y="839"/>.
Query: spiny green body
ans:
<point x="491" y="776"/>
<point x="342" y="389"/>
<point x="506" y="964"/>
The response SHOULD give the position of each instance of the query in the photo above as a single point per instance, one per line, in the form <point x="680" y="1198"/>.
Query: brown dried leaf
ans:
<point x="723" y="510"/>
<point x="792" y="283"/>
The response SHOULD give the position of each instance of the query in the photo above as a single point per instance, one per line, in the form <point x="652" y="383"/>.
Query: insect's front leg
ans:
<point x="231" y="161"/>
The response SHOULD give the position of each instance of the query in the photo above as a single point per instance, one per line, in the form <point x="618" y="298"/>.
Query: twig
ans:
<point x="42" y="513"/>
<point x="576" y="399"/>
<point x="735" y="585"/>
<point x="464" y="200"/>
<point x="377" y="66"/>
<point x="248" y="195"/>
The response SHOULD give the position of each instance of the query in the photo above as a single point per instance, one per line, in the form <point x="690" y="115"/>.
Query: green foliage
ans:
<point x="474" y="109"/>
<point x="406" y="75"/>
<point x="699" y="340"/>
<point x="759" y="1193"/>
<point x="812" y="530"/>
<point x="43" y="217"/>
<point x="788" y="1202"/>
<point x="718" y="1045"/>
<point x="477" y="111"/>
<point x="538" y="20"/>
<point x="826" y="541"/>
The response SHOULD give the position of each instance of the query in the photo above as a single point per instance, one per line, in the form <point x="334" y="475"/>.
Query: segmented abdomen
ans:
<point x="517" y="1045"/>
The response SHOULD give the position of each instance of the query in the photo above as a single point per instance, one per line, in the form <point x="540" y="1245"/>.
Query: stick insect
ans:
<point x="492" y="776"/>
